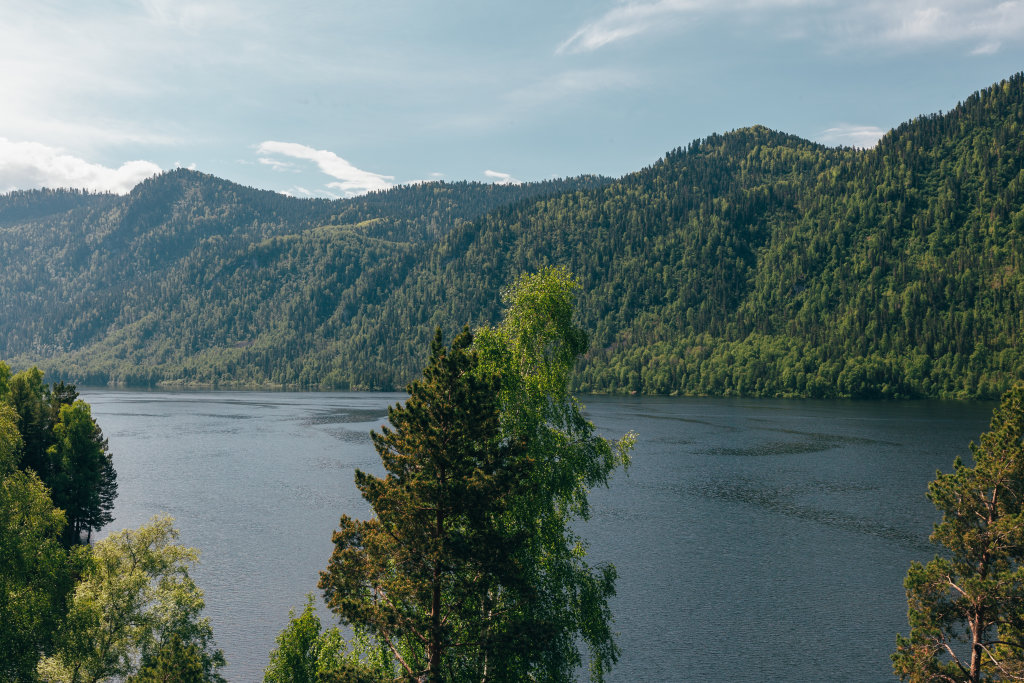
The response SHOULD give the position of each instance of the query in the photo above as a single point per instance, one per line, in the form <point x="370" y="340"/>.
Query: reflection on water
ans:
<point x="754" y="540"/>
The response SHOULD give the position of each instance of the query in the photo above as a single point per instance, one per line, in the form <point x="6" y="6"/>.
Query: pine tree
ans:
<point x="422" y="575"/>
<point x="966" y="610"/>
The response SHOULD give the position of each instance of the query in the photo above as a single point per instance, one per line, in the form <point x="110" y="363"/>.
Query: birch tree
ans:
<point x="135" y="608"/>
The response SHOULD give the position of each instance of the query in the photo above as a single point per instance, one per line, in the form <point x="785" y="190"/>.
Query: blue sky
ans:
<point x="339" y="98"/>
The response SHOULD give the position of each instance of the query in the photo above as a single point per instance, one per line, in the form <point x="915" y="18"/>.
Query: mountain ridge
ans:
<point x="751" y="262"/>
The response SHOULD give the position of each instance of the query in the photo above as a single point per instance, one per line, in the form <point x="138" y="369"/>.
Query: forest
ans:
<point x="750" y="263"/>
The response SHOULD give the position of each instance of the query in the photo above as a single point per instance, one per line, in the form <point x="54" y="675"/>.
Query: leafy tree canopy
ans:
<point x="533" y="352"/>
<point x="135" y="612"/>
<point x="307" y="654"/>
<point x="36" y="572"/>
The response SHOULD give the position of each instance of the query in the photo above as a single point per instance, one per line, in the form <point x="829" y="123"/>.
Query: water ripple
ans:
<point x="780" y="501"/>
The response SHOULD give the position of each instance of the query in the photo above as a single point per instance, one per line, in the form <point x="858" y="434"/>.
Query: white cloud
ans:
<point x="352" y="181"/>
<point x="989" y="48"/>
<point x="500" y="178"/>
<point x="904" y="23"/>
<point x="862" y="137"/>
<point x="624" y="21"/>
<point x="631" y="19"/>
<point x="277" y="164"/>
<point x="26" y="165"/>
<point x="911" y="22"/>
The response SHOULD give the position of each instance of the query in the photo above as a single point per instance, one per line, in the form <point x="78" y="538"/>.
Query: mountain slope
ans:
<point x="752" y="263"/>
<point x="87" y="270"/>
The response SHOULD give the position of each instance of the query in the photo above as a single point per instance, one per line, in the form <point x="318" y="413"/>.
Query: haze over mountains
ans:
<point x="747" y="263"/>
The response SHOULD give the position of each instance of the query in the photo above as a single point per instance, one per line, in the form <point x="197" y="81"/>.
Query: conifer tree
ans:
<point x="83" y="477"/>
<point x="966" y="609"/>
<point x="28" y="397"/>
<point x="421" y="575"/>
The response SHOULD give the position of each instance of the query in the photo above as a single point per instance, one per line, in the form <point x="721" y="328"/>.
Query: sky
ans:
<point x="339" y="98"/>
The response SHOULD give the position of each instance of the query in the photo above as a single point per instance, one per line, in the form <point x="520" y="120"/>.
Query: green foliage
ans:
<point x="135" y="612"/>
<point x="306" y="654"/>
<point x="36" y="572"/>
<point x="197" y="279"/>
<point x="749" y="263"/>
<point x="966" y="609"/>
<point x="65" y="447"/>
<point x="28" y="397"/>
<point x="174" y="662"/>
<point x="295" y="658"/>
<point x="84" y="481"/>
<point x="424" y="575"/>
<point x="10" y="439"/>
<point x="5" y="381"/>
<point x="470" y="570"/>
<point x="122" y="609"/>
<point x="533" y="352"/>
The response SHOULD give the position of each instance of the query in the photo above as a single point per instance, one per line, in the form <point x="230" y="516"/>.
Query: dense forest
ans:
<point x="748" y="263"/>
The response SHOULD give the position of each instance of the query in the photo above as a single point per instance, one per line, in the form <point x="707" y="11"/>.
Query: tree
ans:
<point x="83" y="477"/>
<point x="306" y="654"/>
<point x="5" y="380"/>
<point x="294" y="660"/>
<point x="135" y="610"/>
<point x="28" y="397"/>
<point x="59" y="395"/>
<point x="471" y="570"/>
<point x="966" y="609"/>
<point x="65" y="447"/>
<point x="10" y="439"/>
<point x="418" y="576"/>
<point x="36" y="572"/>
<point x="533" y="352"/>
<point x="174" y="662"/>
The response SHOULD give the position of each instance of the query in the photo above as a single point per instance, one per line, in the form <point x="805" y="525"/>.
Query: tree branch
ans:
<point x="398" y="655"/>
<point x="956" y="660"/>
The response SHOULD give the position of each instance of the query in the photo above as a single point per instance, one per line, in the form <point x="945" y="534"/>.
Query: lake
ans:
<point x="754" y="539"/>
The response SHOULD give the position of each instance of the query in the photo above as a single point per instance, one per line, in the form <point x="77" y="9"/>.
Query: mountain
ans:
<point x="747" y="263"/>
<point x="137" y="288"/>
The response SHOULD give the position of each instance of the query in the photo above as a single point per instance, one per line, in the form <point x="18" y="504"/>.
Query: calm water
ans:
<point x="755" y="540"/>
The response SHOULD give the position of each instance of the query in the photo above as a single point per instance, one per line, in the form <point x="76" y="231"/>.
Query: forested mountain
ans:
<point x="88" y="273"/>
<point x="752" y="263"/>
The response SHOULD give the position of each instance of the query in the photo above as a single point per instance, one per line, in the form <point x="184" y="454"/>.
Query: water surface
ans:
<point x="754" y="539"/>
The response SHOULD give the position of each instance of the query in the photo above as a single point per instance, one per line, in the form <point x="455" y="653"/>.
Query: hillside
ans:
<point x="170" y="270"/>
<point x="750" y="263"/>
